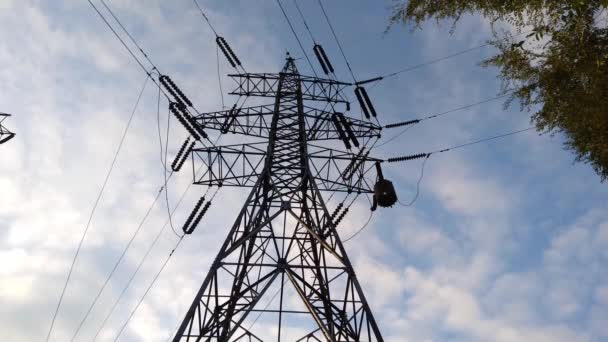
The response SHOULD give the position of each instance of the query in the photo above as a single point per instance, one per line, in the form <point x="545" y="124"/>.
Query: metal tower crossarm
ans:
<point x="256" y="121"/>
<point x="312" y="88"/>
<point x="5" y="134"/>
<point x="283" y="238"/>
<point x="240" y="165"/>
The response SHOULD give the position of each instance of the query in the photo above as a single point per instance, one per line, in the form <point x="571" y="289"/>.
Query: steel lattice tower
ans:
<point x="5" y="134"/>
<point x="284" y="237"/>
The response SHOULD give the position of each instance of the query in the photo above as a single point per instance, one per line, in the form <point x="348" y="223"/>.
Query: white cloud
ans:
<point x="72" y="87"/>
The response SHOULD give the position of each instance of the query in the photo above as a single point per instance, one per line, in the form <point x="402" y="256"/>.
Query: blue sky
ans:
<point x="507" y="241"/>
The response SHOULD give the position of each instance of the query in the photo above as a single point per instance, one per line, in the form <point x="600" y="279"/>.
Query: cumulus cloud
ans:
<point x="468" y="262"/>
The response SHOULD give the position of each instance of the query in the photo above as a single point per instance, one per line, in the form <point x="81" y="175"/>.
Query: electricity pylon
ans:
<point x="284" y="239"/>
<point x="5" y="134"/>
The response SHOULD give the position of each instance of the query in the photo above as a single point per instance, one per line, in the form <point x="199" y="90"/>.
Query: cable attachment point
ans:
<point x="192" y="222"/>
<point x="174" y="107"/>
<point x="375" y="79"/>
<point x="179" y="111"/>
<point x="360" y="159"/>
<point x="407" y="158"/>
<point x="352" y="163"/>
<point x="328" y="68"/>
<point x="340" y="130"/>
<point x="174" y="90"/>
<point x="341" y="217"/>
<point x="401" y="124"/>
<point x="199" y="217"/>
<point x="188" y="228"/>
<point x="366" y="104"/>
<point x="230" y="119"/>
<point x="228" y="52"/>
<point x="338" y="208"/>
<point x="348" y="129"/>
<point x="181" y="157"/>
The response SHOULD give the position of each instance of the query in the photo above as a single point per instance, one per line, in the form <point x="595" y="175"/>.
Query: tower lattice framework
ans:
<point x="5" y="134"/>
<point x="284" y="239"/>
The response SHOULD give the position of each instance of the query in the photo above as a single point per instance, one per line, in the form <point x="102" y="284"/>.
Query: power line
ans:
<point x="127" y="32"/>
<point x="149" y="73"/>
<point x="139" y="265"/>
<point x="484" y="140"/>
<point x="312" y="37"/>
<point x="219" y="76"/>
<point x="397" y="135"/>
<point x="411" y="123"/>
<point x="417" y="184"/>
<point x="205" y="17"/>
<point x="430" y="62"/>
<point x="149" y="287"/>
<point x="455" y="147"/>
<point x="97" y="200"/>
<point x="297" y="37"/>
<point x="120" y="38"/>
<point x="154" y="280"/>
<point x="369" y="219"/>
<point x="333" y="31"/>
<point x="115" y="267"/>
<point x="457" y="109"/>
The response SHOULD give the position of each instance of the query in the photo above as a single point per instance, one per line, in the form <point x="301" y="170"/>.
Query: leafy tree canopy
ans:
<point x="556" y="63"/>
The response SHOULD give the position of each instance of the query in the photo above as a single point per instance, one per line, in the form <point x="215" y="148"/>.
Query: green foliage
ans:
<point x="557" y="63"/>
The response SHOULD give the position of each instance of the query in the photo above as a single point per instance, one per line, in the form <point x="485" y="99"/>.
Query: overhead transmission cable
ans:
<point x="369" y="219"/>
<point x="455" y="147"/>
<point x="417" y="195"/>
<point x="221" y="42"/>
<point x="410" y="123"/>
<point x="148" y="72"/>
<point x="116" y="264"/>
<point x="205" y="17"/>
<point x="333" y="31"/>
<point x="156" y="276"/>
<point x="141" y="262"/>
<point x="295" y="34"/>
<point x="94" y="209"/>
<point x="312" y="37"/>
<point x="122" y="328"/>
<point x="430" y="62"/>
<point x="426" y="157"/>
<point x="128" y="34"/>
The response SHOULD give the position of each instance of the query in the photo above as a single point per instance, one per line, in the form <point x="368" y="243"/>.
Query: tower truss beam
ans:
<point x="267" y="85"/>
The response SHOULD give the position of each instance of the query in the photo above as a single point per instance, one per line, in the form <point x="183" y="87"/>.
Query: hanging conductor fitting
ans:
<point x="199" y="217"/>
<point x="193" y="220"/>
<point x="174" y="90"/>
<point x="179" y="111"/>
<point x="340" y="130"/>
<point x="228" y="52"/>
<point x="366" y="104"/>
<point x="182" y="155"/>
<point x="341" y="217"/>
<point x="174" y="108"/>
<point x="348" y="129"/>
<point x="337" y="210"/>
<point x="328" y="68"/>
<point x="407" y="158"/>
<point x="384" y="191"/>
<point x="230" y="119"/>
<point x="353" y="161"/>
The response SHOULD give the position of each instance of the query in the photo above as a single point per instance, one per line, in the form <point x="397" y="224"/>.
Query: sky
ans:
<point x="506" y="242"/>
